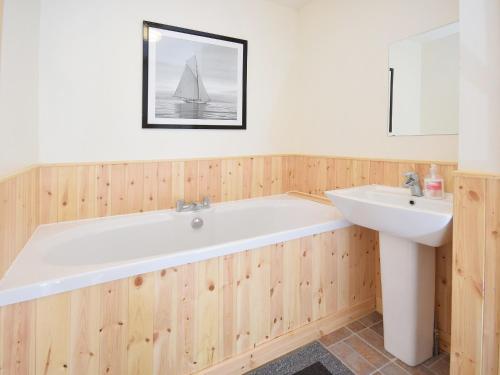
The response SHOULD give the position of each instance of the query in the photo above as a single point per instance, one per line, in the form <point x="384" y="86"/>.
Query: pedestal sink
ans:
<point x="410" y="228"/>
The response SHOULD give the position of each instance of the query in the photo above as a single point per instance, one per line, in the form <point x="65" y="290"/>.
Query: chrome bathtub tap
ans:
<point x="181" y="206"/>
<point x="413" y="183"/>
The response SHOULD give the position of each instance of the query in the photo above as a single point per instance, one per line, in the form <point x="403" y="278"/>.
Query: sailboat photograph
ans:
<point x="191" y="88"/>
<point x="192" y="79"/>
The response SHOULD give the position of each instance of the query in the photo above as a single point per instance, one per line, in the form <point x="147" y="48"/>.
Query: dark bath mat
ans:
<point x="302" y="358"/>
<point x="315" y="369"/>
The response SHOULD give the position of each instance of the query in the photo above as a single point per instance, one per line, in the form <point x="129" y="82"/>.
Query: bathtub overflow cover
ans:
<point x="197" y="223"/>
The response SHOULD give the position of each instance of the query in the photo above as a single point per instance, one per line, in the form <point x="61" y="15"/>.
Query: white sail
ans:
<point x="191" y="87"/>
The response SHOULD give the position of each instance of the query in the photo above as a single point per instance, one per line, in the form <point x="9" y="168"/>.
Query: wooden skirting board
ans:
<point x="242" y="308"/>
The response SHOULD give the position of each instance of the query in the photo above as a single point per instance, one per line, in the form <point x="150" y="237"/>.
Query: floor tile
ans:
<point x="356" y="326"/>
<point x="379" y="328"/>
<point x="416" y="370"/>
<point x="434" y="359"/>
<point x="335" y="336"/>
<point x="392" y="369"/>
<point x="373" y="356"/>
<point x="375" y="340"/>
<point x="442" y="366"/>
<point x="352" y="359"/>
<point x="371" y="319"/>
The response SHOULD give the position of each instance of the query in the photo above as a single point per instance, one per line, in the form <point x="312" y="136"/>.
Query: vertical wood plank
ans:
<point x="377" y="172"/>
<point x="67" y="195"/>
<point x="150" y="188"/>
<point x="86" y="192"/>
<point x="209" y="179"/>
<point x="291" y="289"/>
<point x="177" y="181"/>
<point x="84" y="331"/>
<point x="48" y="194"/>
<point x="343" y="173"/>
<point x="119" y="189"/>
<point x="206" y="345"/>
<point x="17" y="338"/>
<point x="191" y="181"/>
<point x="260" y="302"/>
<point x="305" y="283"/>
<point x="52" y="334"/>
<point x="167" y="355"/>
<point x="113" y="327"/>
<point x="360" y="172"/>
<point x="276" y="291"/>
<point x="165" y="184"/>
<point x="141" y="294"/>
<point x="232" y="179"/>
<point x="134" y="181"/>
<point x="103" y="190"/>
<point x="468" y="275"/>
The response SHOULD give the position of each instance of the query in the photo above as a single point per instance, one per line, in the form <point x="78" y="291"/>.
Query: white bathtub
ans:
<point x="71" y="255"/>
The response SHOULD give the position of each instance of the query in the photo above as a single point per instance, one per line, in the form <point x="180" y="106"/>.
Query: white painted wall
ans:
<point x="344" y="79"/>
<point x="18" y="84"/>
<point x="91" y="78"/>
<point x="480" y="85"/>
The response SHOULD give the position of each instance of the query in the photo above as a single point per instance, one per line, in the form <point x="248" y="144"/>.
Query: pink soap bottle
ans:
<point x="433" y="184"/>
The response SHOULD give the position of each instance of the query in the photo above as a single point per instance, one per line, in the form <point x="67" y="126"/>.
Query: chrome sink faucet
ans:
<point x="413" y="183"/>
<point x="181" y="206"/>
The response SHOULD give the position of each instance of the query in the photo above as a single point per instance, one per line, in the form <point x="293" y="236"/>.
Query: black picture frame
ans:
<point x="145" y="78"/>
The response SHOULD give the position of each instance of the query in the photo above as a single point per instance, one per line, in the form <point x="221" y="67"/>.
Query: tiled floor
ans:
<point x="360" y="346"/>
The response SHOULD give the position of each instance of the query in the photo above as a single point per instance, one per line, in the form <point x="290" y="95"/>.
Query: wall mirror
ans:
<point x="423" y="82"/>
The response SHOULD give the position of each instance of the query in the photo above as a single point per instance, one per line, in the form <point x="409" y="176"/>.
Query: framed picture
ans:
<point x="192" y="79"/>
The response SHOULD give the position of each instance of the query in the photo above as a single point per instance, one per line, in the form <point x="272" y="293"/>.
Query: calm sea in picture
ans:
<point x="168" y="106"/>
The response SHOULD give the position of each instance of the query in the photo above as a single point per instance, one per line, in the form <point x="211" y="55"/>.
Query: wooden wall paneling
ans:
<point x="206" y="339"/>
<point x="256" y="172"/>
<point x="343" y="173"/>
<point x="260" y="301"/>
<point x="186" y="319"/>
<point x="276" y="291"/>
<point x="113" y="322"/>
<point x="288" y="173"/>
<point x="165" y="185"/>
<point x="305" y="280"/>
<point x="291" y="289"/>
<point x="84" y="331"/>
<point x="360" y="172"/>
<point x="134" y="181"/>
<point x="53" y="334"/>
<point x="243" y="279"/>
<point x="103" y="190"/>
<point x="141" y="308"/>
<point x="191" y="192"/>
<point x="331" y="179"/>
<point x="166" y="353"/>
<point x="86" y="199"/>
<point x="150" y="187"/>
<point x="177" y="181"/>
<point x="67" y="194"/>
<point x="344" y="288"/>
<point x="118" y="189"/>
<point x="391" y="174"/>
<point x="328" y="247"/>
<point x="49" y="193"/>
<point x="232" y="179"/>
<point x="376" y="172"/>
<point x="209" y="179"/>
<point x="491" y="313"/>
<point x="443" y="293"/>
<point x="276" y="175"/>
<point x="468" y="274"/>
<point x="17" y="338"/>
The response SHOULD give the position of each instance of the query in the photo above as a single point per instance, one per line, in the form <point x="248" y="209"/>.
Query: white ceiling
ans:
<point x="292" y="3"/>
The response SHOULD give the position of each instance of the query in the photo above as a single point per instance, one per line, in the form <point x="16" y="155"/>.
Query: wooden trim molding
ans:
<point x="241" y="308"/>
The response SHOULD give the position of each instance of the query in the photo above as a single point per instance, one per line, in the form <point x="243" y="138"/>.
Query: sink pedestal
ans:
<point x="408" y="282"/>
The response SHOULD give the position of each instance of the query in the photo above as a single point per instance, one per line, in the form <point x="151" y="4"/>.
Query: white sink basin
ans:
<point x="394" y="211"/>
<point x="409" y="230"/>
